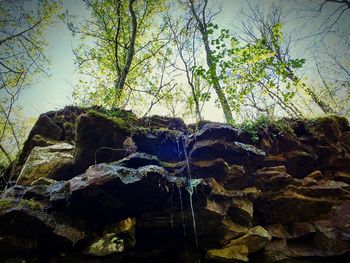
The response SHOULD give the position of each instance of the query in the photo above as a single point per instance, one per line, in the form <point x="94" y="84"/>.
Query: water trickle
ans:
<point x="187" y="160"/>
<point x="191" y="184"/>
<point x="171" y="221"/>
<point x="182" y="212"/>
<point x="190" y="188"/>
<point x="178" y="146"/>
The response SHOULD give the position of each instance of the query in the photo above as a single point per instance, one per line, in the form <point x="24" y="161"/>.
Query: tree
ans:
<point x="258" y="26"/>
<point x="250" y="69"/>
<point x="332" y="81"/>
<point x="198" y="11"/>
<point x="328" y="14"/>
<point x="119" y="41"/>
<point x="22" y="58"/>
<point x="184" y="36"/>
<point x="330" y="52"/>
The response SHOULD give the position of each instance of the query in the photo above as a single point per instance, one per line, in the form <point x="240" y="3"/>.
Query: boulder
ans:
<point x="25" y="228"/>
<point x="99" y="139"/>
<point x="231" y="152"/>
<point x="272" y="178"/>
<point x="238" y="249"/>
<point x="271" y="207"/>
<point x="53" y="162"/>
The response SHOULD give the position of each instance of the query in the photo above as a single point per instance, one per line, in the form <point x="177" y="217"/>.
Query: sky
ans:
<point x="55" y="91"/>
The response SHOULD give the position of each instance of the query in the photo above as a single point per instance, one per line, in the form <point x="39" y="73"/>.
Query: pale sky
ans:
<point x="54" y="92"/>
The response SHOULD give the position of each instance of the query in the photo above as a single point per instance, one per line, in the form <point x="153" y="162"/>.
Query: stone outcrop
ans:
<point x="47" y="162"/>
<point x="92" y="185"/>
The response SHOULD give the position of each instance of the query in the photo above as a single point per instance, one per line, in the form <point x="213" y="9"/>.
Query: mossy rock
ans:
<point x="126" y="123"/>
<point x="327" y="128"/>
<point x="8" y="203"/>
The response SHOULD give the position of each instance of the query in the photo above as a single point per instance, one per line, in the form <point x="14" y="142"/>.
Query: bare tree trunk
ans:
<point x="124" y="73"/>
<point x="216" y="85"/>
<point x="189" y="73"/>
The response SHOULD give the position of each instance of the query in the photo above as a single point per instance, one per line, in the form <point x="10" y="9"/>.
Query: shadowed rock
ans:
<point x="97" y="185"/>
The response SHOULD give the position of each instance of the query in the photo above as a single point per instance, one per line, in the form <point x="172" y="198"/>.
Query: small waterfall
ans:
<point x="193" y="216"/>
<point x="171" y="221"/>
<point x="190" y="186"/>
<point x="182" y="211"/>
<point x="178" y="146"/>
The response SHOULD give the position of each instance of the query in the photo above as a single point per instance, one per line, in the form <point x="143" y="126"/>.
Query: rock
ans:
<point x="342" y="176"/>
<point x="241" y="211"/>
<point x="51" y="162"/>
<point x="232" y="153"/>
<point x="333" y="225"/>
<point x="238" y="249"/>
<point x="99" y="139"/>
<point x="46" y="127"/>
<point x="230" y="176"/>
<point x="271" y="208"/>
<point x="300" y="163"/>
<point x="327" y="128"/>
<point x="108" y="244"/>
<point x="137" y="160"/>
<point x="161" y="122"/>
<point x="27" y="228"/>
<point x="272" y="178"/>
<point x="255" y="239"/>
<point x="315" y="175"/>
<point x="277" y="231"/>
<point x="302" y="229"/>
<point x="166" y="144"/>
<point x="106" y="186"/>
<point x="345" y="139"/>
<point x="295" y="230"/>
<point x="325" y="189"/>
<point x="214" y="131"/>
<point x="43" y="181"/>
<point x="229" y="254"/>
<point x="116" y="238"/>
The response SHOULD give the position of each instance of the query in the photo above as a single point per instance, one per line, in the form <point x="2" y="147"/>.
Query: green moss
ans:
<point x="172" y="134"/>
<point x="327" y="127"/>
<point x="124" y="123"/>
<point x="31" y="204"/>
<point x="70" y="125"/>
<point x="8" y="203"/>
<point x="275" y="126"/>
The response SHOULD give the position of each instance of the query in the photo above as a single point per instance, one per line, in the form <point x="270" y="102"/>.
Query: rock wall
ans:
<point x="98" y="186"/>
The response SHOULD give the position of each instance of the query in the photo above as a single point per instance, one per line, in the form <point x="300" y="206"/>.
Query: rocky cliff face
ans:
<point x="97" y="186"/>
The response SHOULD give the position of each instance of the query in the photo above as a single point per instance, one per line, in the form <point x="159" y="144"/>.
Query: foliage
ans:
<point x="241" y="68"/>
<point x="274" y="126"/>
<point x="103" y="54"/>
<point x="22" y="60"/>
<point x="180" y="59"/>
<point x="22" y="43"/>
<point x="13" y="134"/>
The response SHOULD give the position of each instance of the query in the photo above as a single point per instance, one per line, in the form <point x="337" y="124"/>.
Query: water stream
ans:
<point x="190" y="186"/>
<point x="182" y="212"/>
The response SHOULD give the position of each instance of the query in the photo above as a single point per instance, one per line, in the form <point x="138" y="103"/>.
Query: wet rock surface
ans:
<point x="103" y="186"/>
